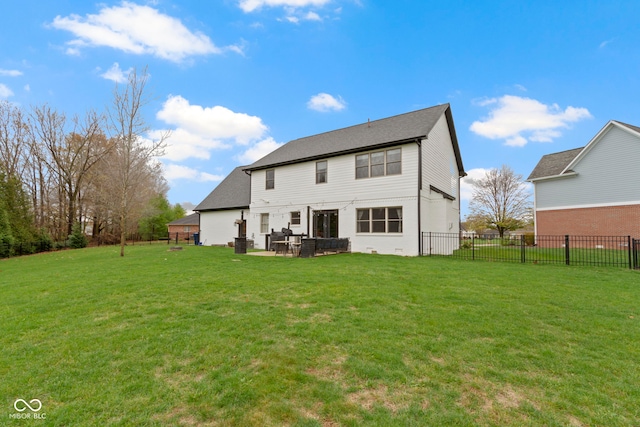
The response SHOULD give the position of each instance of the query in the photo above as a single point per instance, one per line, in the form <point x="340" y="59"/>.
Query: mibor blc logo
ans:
<point x="33" y="406"/>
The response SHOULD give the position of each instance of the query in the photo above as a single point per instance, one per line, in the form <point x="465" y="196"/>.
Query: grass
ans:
<point x="205" y="337"/>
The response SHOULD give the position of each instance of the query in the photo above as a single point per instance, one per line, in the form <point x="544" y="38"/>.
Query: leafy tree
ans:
<point x="158" y="214"/>
<point x="6" y="237"/>
<point x="501" y="199"/>
<point x="16" y="210"/>
<point x="178" y="212"/>
<point x="77" y="239"/>
<point x="475" y="224"/>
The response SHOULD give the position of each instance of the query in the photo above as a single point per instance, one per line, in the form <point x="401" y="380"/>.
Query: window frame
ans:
<point x="380" y="220"/>
<point x="270" y="179"/>
<point x="320" y="174"/>
<point x="378" y="163"/>
<point x="264" y="225"/>
<point x="294" y="216"/>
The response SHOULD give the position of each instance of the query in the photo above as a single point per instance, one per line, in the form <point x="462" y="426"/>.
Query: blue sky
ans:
<point x="234" y="79"/>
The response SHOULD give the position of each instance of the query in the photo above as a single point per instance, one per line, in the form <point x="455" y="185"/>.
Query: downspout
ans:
<point x="535" y="211"/>
<point x="419" y="143"/>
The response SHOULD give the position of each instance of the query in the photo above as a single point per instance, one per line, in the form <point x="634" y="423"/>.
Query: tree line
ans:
<point x="98" y="170"/>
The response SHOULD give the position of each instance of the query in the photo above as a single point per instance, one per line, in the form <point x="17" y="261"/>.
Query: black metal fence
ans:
<point x="615" y="251"/>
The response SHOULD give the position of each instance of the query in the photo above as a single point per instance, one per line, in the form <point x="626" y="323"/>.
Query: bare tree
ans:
<point x="501" y="199"/>
<point x="134" y="154"/>
<point x="13" y="140"/>
<point x="69" y="156"/>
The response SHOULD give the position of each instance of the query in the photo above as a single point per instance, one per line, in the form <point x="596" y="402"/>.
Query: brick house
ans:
<point x="593" y="190"/>
<point x="184" y="227"/>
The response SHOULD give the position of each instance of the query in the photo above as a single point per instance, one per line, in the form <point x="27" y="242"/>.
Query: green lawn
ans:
<point x="205" y="337"/>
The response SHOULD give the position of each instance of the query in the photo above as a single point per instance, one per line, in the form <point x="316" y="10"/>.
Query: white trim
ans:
<point x="595" y="205"/>
<point x="549" y="178"/>
<point x="597" y="139"/>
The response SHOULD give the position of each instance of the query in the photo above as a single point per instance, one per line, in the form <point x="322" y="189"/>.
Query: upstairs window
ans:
<point x="321" y="172"/>
<point x="394" y="162"/>
<point x="270" y="179"/>
<point x="379" y="163"/>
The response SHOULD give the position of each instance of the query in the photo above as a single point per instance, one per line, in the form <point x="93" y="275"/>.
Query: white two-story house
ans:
<point x="381" y="184"/>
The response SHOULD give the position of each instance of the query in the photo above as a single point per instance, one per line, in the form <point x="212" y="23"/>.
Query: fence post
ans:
<point x="630" y="249"/>
<point x="522" y="254"/>
<point x="566" y="249"/>
<point x="473" y="246"/>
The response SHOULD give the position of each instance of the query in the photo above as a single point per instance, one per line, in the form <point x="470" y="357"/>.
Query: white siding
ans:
<point x="296" y="190"/>
<point x="218" y="227"/>
<point x="608" y="174"/>
<point x="440" y="169"/>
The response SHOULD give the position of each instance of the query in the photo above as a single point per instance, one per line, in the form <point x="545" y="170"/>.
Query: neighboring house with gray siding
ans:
<point x="381" y="184"/>
<point x="592" y="190"/>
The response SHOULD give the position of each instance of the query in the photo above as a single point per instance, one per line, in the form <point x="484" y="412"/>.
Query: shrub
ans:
<point x="529" y="239"/>
<point x="44" y="242"/>
<point x="77" y="239"/>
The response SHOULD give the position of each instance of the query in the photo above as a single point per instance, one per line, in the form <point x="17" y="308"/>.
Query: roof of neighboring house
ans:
<point x="553" y="164"/>
<point x="634" y="128"/>
<point x="234" y="192"/>
<point x="193" y="219"/>
<point x="372" y="134"/>
<point x="557" y="164"/>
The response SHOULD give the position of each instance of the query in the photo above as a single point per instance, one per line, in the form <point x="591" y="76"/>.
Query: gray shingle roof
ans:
<point x="193" y="219"/>
<point x="234" y="192"/>
<point x="634" y="128"/>
<point x="377" y="133"/>
<point x="553" y="164"/>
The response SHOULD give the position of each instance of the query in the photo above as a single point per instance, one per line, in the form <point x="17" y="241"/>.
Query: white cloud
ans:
<point x="182" y="145"/>
<point x="324" y="102"/>
<point x="251" y="5"/>
<point x="135" y="29"/>
<point x="173" y="172"/>
<point x="312" y="16"/>
<point x="115" y="74"/>
<point x="518" y="120"/>
<point x="605" y="43"/>
<point x="212" y="122"/>
<point x="466" y="183"/>
<point x="5" y="92"/>
<point x="27" y="88"/>
<point x="10" y="73"/>
<point x="258" y="151"/>
<point x="200" y="130"/>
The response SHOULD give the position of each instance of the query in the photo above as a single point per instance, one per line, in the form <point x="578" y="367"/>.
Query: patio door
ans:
<point x="325" y="223"/>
